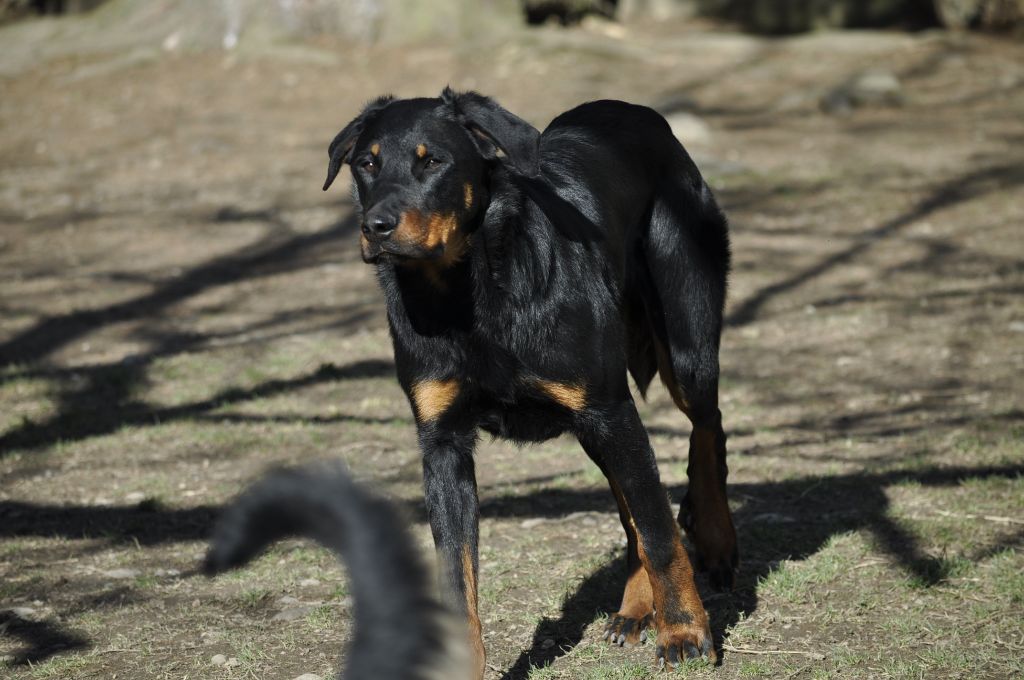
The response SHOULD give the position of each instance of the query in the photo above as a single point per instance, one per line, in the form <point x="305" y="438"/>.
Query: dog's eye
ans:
<point x="432" y="164"/>
<point x="369" y="165"/>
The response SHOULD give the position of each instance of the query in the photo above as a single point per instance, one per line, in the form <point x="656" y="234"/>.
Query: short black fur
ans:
<point x="525" y="275"/>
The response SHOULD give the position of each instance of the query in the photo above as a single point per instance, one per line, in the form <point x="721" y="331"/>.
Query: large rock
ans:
<point x="872" y="88"/>
<point x="999" y="15"/>
<point x="689" y="129"/>
<point x="794" y="16"/>
<point x="659" y="10"/>
<point x="958" y="13"/>
<point x="230" y="23"/>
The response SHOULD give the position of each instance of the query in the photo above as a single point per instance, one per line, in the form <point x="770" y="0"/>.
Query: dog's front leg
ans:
<point x="449" y="482"/>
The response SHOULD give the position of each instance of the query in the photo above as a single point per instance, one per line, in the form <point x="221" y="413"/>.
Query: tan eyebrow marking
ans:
<point x="375" y="149"/>
<point x="421" y="150"/>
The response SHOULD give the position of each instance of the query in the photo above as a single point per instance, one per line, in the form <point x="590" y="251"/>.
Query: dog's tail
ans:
<point x="401" y="632"/>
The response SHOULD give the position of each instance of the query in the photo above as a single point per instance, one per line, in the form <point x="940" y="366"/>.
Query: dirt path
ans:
<point x="181" y="307"/>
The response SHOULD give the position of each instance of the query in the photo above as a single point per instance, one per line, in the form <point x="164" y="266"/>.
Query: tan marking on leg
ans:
<point x="375" y="149"/>
<point x="433" y="397"/>
<point x="421" y="150"/>
<point x="711" y="528"/>
<point x="467" y="195"/>
<point x="679" y="613"/>
<point x="573" y="397"/>
<point x="637" y="597"/>
<point x="476" y="639"/>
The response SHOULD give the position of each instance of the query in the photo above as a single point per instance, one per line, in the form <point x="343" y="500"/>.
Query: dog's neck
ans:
<point x="503" y="262"/>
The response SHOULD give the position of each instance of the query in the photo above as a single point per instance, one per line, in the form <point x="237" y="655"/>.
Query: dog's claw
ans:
<point x="683" y="645"/>
<point x="626" y="630"/>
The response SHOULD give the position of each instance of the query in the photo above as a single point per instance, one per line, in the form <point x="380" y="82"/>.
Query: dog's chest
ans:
<point x="530" y="418"/>
<point x="513" y="400"/>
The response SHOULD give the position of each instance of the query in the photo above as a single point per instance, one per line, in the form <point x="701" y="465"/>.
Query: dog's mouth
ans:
<point x="384" y="256"/>
<point x="383" y="252"/>
<point x="374" y="253"/>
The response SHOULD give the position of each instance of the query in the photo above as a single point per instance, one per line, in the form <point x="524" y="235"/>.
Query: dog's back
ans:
<point x="660" y="233"/>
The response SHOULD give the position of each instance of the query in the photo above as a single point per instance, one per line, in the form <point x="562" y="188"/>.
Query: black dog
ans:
<point x="401" y="631"/>
<point x="525" y="274"/>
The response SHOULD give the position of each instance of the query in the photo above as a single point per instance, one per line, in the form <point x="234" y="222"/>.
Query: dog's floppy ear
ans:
<point x="340" y="150"/>
<point x="493" y="128"/>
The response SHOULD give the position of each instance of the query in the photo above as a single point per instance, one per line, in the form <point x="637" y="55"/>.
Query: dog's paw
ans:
<point x="679" y="643"/>
<point x="627" y="630"/>
<point x="722" y="575"/>
<point x="719" y="563"/>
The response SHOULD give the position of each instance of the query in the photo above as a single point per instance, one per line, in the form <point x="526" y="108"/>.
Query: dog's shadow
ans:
<point x="592" y="596"/>
<point x="785" y="520"/>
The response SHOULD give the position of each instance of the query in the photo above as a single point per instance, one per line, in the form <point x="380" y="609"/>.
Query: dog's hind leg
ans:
<point x="686" y="253"/>
<point x="620" y="445"/>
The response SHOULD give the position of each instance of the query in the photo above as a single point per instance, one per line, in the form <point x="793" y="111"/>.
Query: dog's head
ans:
<point x="420" y="168"/>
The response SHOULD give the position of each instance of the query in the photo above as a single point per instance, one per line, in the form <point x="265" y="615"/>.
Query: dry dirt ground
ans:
<point x="183" y="308"/>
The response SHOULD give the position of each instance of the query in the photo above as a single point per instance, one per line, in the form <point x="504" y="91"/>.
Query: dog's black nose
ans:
<point x="379" y="226"/>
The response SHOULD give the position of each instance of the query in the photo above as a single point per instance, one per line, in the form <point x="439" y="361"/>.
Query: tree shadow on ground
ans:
<point x="966" y="187"/>
<point x="103" y="405"/>
<point x="99" y="399"/>
<point x="786" y="520"/>
<point x="280" y="250"/>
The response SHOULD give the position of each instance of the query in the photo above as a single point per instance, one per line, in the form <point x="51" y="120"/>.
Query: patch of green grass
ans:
<point x="1007" y="574"/>
<point x="626" y="671"/>
<point x="954" y="663"/>
<point x="992" y="442"/>
<point x="900" y="668"/>
<point x="310" y="554"/>
<point x="793" y="581"/>
<point x="930" y="571"/>
<point x="322" y="617"/>
<point x="249" y="655"/>
<point x="755" y="669"/>
<point x="62" y="667"/>
<point x="145" y="581"/>
<point x="254" y="598"/>
<point x="12" y="548"/>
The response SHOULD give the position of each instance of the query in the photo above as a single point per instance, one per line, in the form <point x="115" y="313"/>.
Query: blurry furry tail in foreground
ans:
<point x="401" y="632"/>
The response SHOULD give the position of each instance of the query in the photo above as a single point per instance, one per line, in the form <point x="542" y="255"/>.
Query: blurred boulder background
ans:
<point x="204" y="22"/>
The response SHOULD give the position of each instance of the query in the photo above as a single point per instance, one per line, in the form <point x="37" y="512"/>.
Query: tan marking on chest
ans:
<point x="467" y="195"/>
<point x="573" y="397"/>
<point x="433" y="397"/>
